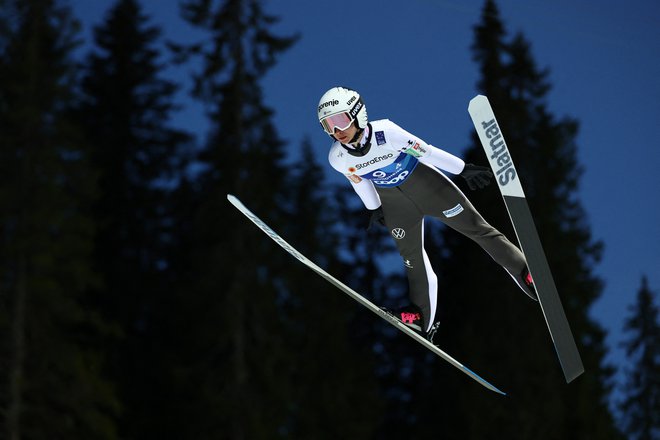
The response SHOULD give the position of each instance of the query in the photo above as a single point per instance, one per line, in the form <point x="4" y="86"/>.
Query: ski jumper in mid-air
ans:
<point x="398" y="177"/>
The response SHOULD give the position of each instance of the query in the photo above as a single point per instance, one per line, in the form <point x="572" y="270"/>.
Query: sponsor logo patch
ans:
<point x="327" y="104"/>
<point x="373" y="161"/>
<point x="398" y="178"/>
<point x="354" y="178"/>
<point x="398" y="233"/>
<point x="414" y="149"/>
<point x="453" y="211"/>
<point x="380" y="137"/>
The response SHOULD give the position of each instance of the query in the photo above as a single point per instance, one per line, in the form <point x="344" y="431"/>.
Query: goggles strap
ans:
<point x="352" y="113"/>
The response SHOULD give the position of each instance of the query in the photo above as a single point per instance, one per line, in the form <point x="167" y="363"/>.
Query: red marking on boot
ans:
<point x="409" y="317"/>
<point x="528" y="279"/>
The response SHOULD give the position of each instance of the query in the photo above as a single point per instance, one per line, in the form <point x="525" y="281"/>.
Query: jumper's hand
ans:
<point x="377" y="216"/>
<point x="476" y="176"/>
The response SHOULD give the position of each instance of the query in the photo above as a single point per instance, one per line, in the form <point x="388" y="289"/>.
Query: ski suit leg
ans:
<point x="405" y="222"/>
<point x="441" y="198"/>
<point x="429" y="192"/>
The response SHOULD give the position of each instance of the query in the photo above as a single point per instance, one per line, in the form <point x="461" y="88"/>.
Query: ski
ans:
<point x="496" y="150"/>
<point x="357" y="297"/>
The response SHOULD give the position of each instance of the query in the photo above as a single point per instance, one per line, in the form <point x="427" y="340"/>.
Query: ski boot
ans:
<point x="411" y="316"/>
<point x="527" y="284"/>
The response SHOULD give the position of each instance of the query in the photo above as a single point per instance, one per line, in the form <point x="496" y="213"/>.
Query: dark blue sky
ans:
<point x="412" y="64"/>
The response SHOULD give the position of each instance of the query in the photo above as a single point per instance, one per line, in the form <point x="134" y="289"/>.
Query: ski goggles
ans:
<point x="340" y="121"/>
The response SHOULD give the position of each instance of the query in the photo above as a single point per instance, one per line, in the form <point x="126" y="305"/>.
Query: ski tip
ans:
<point x="477" y="99"/>
<point x="234" y="201"/>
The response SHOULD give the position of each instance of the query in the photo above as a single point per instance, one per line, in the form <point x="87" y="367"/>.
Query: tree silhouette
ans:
<point x="234" y="364"/>
<point x="641" y="419"/>
<point x="51" y="370"/>
<point x="125" y="113"/>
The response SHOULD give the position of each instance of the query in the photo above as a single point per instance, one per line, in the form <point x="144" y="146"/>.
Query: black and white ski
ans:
<point x="508" y="181"/>
<point x="357" y="297"/>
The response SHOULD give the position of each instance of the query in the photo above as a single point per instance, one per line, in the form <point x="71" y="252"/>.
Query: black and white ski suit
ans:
<point x="400" y="172"/>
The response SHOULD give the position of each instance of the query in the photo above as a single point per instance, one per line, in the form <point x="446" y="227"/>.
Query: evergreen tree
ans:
<point x="641" y="418"/>
<point x="51" y="374"/>
<point x="138" y="155"/>
<point x="234" y="367"/>
<point x="487" y="321"/>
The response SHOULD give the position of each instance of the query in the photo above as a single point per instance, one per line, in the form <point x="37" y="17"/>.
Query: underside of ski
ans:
<point x="492" y="140"/>
<point x="357" y="297"/>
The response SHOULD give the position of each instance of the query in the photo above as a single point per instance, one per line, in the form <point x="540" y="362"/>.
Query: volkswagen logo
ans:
<point x="398" y="233"/>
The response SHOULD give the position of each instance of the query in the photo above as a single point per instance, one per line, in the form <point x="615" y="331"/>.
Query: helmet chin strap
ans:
<point x="356" y="137"/>
<point x="355" y="142"/>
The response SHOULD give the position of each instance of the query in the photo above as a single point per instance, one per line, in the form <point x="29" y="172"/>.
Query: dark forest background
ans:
<point x="137" y="303"/>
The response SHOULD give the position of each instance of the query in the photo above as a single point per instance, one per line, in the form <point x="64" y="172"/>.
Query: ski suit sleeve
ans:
<point x="425" y="153"/>
<point x="443" y="160"/>
<point x="365" y="189"/>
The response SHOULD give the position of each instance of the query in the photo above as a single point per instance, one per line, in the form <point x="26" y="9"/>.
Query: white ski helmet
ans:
<point x="339" y="107"/>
